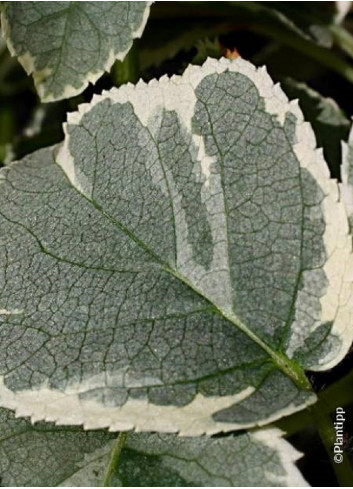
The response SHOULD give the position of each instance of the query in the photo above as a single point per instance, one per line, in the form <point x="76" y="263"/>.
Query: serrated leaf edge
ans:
<point x="196" y="417"/>
<point x="28" y="61"/>
<point x="177" y="93"/>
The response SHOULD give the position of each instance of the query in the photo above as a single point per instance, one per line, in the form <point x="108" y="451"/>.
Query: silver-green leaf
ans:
<point x="257" y="459"/>
<point x="47" y="455"/>
<point x="66" y="45"/>
<point x="177" y="263"/>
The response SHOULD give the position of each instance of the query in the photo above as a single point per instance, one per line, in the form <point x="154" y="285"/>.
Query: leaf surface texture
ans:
<point x="176" y="263"/>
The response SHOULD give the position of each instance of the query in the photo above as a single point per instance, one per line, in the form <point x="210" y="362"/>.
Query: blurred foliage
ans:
<point x="306" y="46"/>
<point x="312" y="35"/>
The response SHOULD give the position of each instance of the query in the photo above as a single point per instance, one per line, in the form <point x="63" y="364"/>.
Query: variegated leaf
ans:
<point x="46" y="455"/>
<point x="66" y="45"/>
<point x="347" y="177"/>
<point x="177" y="263"/>
<point x="257" y="459"/>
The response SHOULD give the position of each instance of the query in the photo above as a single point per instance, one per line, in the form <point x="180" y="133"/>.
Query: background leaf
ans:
<point x="261" y="458"/>
<point x="66" y="45"/>
<point x="47" y="455"/>
<point x="330" y="125"/>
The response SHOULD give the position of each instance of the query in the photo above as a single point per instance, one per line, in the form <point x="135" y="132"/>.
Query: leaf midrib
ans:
<point x="290" y="368"/>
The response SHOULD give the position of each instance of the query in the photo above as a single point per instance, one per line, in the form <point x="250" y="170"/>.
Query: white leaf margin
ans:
<point x="178" y="93"/>
<point x="196" y="418"/>
<point x="347" y="169"/>
<point x="273" y="438"/>
<point x="28" y="61"/>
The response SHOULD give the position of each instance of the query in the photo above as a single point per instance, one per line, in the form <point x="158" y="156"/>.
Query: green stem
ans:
<point x="295" y="423"/>
<point x="114" y="458"/>
<point x="338" y="394"/>
<point x="326" y="430"/>
<point x="127" y="70"/>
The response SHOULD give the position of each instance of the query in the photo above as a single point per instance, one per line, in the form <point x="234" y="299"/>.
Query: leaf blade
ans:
<point x="48" y="455"/>
<point x="347" y="177"/>
<point x="71" y="58"/>
<point x="168" y="290"/>
<point x="44" y="454"/>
